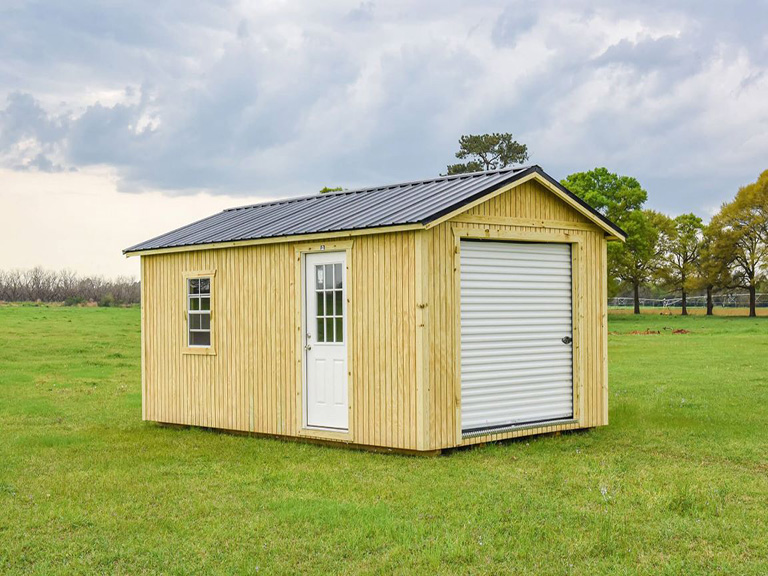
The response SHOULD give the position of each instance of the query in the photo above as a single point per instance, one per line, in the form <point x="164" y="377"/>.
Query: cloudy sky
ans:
<point x="121" y="120"/>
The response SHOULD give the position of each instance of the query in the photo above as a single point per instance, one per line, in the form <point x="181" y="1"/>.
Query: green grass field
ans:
<point x="677" y="484"/>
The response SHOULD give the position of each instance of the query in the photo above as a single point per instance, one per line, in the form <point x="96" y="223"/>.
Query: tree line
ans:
<point x="682" y="254"/>
<point x="38" y="284"/>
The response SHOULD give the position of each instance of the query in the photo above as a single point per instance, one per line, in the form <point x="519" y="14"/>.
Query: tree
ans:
<point x="612" y="195"/>
<point x="326" y="189"/>
<point x="741" y="237"/>
<point x="488" y="152"/>
<point x="621" y="199"/>
<point x="635" y="262"/>
<point x="682" y="251"/>
<point x="712" y="271"/>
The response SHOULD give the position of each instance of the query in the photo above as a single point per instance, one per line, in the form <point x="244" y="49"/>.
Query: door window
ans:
<point x="329" y="297"/>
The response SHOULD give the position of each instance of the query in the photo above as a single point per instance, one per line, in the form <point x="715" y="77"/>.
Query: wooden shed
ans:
<point x="417" y="316"/>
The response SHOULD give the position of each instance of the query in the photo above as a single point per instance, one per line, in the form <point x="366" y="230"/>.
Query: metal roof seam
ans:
<point x="416" y="202"/>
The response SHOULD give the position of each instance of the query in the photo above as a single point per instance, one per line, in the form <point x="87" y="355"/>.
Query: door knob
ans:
<point x="308" y="347"/>
<point x="567" y="339"/>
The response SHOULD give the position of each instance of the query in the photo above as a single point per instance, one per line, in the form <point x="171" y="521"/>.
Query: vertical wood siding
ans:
<point x="250" y="382"/>
<point x="242" y="386"/>
<point x="404" y="335"/>
<point x="529" y="205"/>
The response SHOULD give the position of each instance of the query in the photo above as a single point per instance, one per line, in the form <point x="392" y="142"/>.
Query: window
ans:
<point x="199" y="312"/>
<point x="329" y="291"/>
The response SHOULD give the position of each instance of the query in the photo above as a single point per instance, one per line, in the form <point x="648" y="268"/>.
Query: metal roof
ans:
<point x="417" y="202"/>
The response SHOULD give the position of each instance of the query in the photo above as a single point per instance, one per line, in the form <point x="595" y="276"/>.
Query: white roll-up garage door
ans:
<point x="516" y="316"/>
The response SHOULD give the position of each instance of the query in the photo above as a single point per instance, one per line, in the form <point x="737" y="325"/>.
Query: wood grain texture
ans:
<point x="533" y="214"/>
<point x="252" y="381"/>
<point x="403" y="331"/>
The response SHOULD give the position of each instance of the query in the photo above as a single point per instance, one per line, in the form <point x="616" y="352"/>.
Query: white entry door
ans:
<point x="325" y="340"/>
<point x="516" y="334"/>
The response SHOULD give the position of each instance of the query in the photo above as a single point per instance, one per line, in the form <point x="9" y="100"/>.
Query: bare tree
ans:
<point x="38" y="284"/>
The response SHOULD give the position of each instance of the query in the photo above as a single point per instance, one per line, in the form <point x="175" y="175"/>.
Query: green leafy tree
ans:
<point x="712" y="271"/>
<point x="488" y="152"/>
<point x="621" y="199"/>
<point x="637" y="261"/>
<point x="610" y="194"/>
<point x="326" y="189"/>
<point x="682" y="253"/>
<point x="741" y="229"/>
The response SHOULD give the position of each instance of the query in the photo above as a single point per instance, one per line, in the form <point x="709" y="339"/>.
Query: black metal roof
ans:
<point x="417" y="202"/>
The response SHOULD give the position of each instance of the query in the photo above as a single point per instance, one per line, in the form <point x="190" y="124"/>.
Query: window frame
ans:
<point x="198" y="349"/>
<point x="338" y="305"/>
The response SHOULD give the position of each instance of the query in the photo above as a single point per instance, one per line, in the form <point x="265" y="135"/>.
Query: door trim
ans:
<point x="299" y="424"/>
<point x="577" y="305"/>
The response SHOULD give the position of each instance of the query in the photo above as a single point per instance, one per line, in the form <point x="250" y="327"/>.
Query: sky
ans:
<point x="123" y="120"/>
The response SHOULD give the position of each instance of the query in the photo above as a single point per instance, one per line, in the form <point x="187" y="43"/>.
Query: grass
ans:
<point x="675" y="311"/>
<point x="677" y="484"/>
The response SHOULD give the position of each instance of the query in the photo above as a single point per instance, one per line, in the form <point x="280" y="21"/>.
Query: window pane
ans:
<point x="320" y="330"/>
<point x="194" y="286"/>
<point x="328" y="276"/>
<point x="329" y="330"/>
<point x="194" y="321"/>
<point x="339" y="304"/>
<point x="194" y="304"/>
<point x="319" y="276"/>
<point x="205" y="321"/>
<point x="320" y="301"/>
<point x="339" y="330"/>
<point x="337" y="277"/>
<point x="199" y="338"/>
<point x="205" y="285"/>
<point x="329" y="303"/>
<point x="205" y="303"/>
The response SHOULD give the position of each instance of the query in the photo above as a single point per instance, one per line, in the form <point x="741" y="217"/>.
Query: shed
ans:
<point x="416" y="316"/>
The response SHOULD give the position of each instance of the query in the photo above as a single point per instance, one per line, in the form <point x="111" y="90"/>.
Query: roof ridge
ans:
<point x="512" y="169"/>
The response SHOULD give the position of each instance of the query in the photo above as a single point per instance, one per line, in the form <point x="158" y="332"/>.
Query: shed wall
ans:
<point x="528" y="212"/>
<point x="403" y="320"/>
<point x="250" y="384"/>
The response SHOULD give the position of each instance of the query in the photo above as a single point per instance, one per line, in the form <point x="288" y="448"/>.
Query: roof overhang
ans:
<point x="276" y="240"/>
<point x="536" y="174"/>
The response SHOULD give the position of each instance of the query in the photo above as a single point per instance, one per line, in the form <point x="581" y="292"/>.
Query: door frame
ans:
<point x="300" y="390"/>
<point x="577" y="310"/>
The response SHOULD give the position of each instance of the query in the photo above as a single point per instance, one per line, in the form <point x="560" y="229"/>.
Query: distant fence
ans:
<point x="719" y="300"/>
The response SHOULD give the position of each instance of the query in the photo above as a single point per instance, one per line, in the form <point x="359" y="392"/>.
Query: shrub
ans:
<point x="107" y="300"/>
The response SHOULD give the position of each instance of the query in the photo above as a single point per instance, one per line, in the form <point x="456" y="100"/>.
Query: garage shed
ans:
<point x="417" y="316"/>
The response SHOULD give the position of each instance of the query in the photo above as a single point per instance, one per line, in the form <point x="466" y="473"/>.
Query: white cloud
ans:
<point x="80" y="221"/>
<point x="279" y="98"/>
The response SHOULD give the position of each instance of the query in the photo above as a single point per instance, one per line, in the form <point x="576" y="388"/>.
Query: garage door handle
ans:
<point x="567" y="339"/>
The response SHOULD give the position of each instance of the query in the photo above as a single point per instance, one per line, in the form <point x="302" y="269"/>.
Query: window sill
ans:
<point x="202" y="351"/>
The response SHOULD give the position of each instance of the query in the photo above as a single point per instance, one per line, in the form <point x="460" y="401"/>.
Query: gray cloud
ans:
<point x="194" y="96"/>
<point x="516" y="19"/>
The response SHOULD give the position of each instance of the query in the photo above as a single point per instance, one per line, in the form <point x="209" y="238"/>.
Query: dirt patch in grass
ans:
<point x="636" y="332"/>
<point x="648" y="332"/>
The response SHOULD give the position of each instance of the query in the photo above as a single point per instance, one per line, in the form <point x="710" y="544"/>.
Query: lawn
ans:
<point x="677" y="484"/>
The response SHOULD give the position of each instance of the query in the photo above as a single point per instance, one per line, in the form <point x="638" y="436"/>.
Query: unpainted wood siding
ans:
<point x="250" y="384"/>
<point x="403" y="325"/>
<point x="528" y="209"/>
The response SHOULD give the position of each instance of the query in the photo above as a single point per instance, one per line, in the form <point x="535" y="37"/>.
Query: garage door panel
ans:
<point x="515" y="310"/>
<point x="491" y="409"/>
<point x="545" y="380"/>
<point x="490" y="369"/>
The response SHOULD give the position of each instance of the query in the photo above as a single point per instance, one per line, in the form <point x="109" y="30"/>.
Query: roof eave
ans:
<point x="612" y="231"/>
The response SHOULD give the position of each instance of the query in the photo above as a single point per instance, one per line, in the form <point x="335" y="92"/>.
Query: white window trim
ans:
<point x="198" y="349"/>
